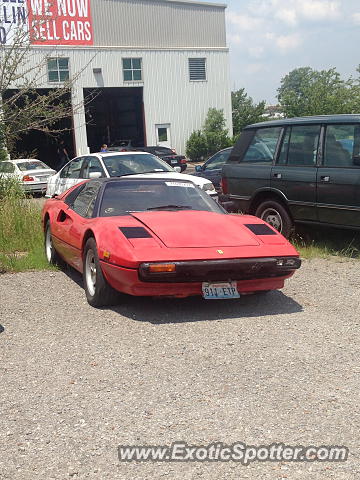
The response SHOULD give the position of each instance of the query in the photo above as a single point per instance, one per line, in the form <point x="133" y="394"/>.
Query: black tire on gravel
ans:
<point x="98" y="292"/>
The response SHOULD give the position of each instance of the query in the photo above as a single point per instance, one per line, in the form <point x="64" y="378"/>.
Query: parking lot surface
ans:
<point x="77" y="382"/>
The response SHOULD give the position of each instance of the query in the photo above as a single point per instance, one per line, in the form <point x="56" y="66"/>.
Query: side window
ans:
<point x="300" y="145"/>
<point x="75" y="167"/>
<point x="263" y="146"/>
<point x="65" y="172"/>
<point x="85" y="201"/>
<point x="7" y="167"/>
<point x="92" y="165"/>
<point x="217" y="161"/>
<point x="341" y="145"/>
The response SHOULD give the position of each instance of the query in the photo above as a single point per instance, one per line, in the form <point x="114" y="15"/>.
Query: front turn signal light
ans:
<point x="162" y="268"/>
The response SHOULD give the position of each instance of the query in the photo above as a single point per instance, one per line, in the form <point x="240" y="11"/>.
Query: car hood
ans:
<point x="189" y="229"/>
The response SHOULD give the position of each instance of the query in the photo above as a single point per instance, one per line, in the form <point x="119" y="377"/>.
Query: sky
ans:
<point x="269" y="38"/>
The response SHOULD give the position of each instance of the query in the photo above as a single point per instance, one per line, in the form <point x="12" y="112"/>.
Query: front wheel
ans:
<point x="98" y="292"/>
<point x="51" y="254"/>
<point x="276" y="215"/>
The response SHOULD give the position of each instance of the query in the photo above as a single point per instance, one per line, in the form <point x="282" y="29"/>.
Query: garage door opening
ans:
<point x="114" y="114"/>
<point x="40" y="144"/>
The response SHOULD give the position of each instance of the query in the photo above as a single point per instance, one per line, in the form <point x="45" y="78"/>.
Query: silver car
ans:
<point x="32" y="173"/>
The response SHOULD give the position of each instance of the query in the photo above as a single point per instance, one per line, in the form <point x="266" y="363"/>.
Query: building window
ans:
<point x="132" y="69"/>
<point x="58" y="69"/>
<point x="197" y="69"/>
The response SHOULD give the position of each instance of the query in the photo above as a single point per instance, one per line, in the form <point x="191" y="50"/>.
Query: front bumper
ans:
<point x="189" y="282"/>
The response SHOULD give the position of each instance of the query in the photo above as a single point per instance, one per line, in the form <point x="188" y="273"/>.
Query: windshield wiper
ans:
<point x="171" y="207"/>
<point x="156" y="171"/>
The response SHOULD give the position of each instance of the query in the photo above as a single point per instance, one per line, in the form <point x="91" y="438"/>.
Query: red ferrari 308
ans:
<point x="161" y="237"/>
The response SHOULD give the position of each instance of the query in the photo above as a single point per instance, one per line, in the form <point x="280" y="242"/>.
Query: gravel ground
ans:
<point x="76" y="381"/>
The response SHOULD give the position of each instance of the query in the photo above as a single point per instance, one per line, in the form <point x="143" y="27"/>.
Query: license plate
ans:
<point x="219" y="291"/>
<point x="43" y="178"/>
<point x="174" y="162"/>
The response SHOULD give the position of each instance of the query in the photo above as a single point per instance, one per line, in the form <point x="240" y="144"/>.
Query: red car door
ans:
<point x="70" y="223"/>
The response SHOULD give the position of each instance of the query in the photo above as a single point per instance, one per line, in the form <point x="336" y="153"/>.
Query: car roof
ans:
<point x="324" y="119"/>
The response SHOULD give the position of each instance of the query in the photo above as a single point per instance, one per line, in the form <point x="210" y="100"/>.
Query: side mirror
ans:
<point x="356" y="160"/>
<point x="95" y="174"/>
<point x="198" y="168"/>
<point x="177" y="169"/>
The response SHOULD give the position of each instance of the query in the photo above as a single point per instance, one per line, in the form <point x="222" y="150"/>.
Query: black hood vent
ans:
<point x="260" y="229"/>
<point x="135" y="232"/>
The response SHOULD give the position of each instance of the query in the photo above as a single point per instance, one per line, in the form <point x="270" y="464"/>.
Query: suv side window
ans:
<point x="263" y="146"/>
<point x="342" y="146"/>
<point x="85" y="201"/>
<point x="217" y="160"/>
<point x="300" y="145"/>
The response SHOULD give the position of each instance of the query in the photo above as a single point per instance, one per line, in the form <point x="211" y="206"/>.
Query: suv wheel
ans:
<point x="276" y="215"/>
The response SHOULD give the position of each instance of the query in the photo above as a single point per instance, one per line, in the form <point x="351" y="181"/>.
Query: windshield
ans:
<point x="127" y="164"/>
<point x="32" y="165"/>
<point x="124" y="197"/>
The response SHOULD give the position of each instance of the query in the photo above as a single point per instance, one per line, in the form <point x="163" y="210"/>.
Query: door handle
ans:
<point x="325" y="178"/>
<point x="277" y="175"/>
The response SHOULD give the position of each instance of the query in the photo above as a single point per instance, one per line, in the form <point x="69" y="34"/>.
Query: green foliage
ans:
<point x="196" y="148"/>
<point x="10" y="188"/>
<point x="245" y="111"/>
<point x="305" y="91"/>
<point x="21" y="235"/>
<point x="212" y="138"/>
<point x="3" y="152"/>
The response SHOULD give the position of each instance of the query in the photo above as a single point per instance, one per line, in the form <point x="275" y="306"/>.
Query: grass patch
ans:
<point x="323" y="242"/>
<point x="21" y="235"/>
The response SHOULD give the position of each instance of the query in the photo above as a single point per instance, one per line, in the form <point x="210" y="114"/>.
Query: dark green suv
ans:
<point x="297" y="170"/>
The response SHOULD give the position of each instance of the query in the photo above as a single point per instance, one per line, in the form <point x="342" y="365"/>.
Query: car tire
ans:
<point x="98" y="292"/>
<point x="51" y="254"/>
<point x="276" y="215"/>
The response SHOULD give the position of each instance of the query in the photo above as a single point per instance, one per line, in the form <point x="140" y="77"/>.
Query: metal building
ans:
<point x="152" y="67"/>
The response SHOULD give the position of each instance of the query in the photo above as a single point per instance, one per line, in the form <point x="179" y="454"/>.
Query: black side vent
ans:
<point x="260" y="229"/>
<point x="135" y="232"/>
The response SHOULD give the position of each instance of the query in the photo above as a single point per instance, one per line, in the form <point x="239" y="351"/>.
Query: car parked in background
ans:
<point x="118" y="164"/>
<point x="32" y="173"/>
<point x="212" y="168"/>
<point x="297" y="170"/>
<point x="122" y="146"/>
<point x="178" y="162"/>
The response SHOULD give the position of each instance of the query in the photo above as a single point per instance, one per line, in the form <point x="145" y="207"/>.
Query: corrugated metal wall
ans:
<point x="169" y="95"/>
<point x="156" y="23"/>
<point x="164" y="34"/>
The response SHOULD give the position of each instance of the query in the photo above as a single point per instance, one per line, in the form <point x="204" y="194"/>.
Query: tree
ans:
<point x="212" y="138"/>
<point x="23" y="106"/>
<point x="305" y="91"/>
<point x="245" y="111"/>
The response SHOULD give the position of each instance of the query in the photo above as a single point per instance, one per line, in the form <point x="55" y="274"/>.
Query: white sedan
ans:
<point x="118" y="164"/>
<point x="32" y="173"/>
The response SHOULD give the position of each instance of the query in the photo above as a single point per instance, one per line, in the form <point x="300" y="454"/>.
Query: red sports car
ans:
<point x="161" y="237"/>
